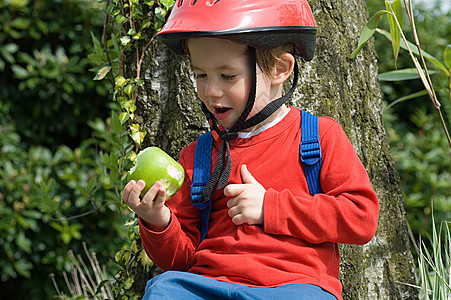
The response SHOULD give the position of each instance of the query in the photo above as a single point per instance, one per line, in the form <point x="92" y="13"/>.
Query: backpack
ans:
<point x="309" y="152"/>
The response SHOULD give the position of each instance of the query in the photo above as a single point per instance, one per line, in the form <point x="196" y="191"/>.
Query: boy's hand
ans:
<point x="246" y="204"/>
<point x="151" y="208"/>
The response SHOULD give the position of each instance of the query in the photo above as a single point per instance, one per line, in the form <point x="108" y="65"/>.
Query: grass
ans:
<point x="88" y="281"/>
<point x="434" y="264"/>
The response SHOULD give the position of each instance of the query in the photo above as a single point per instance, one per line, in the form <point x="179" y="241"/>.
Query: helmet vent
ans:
<point x="212" y="2"/>
<point x="193" y="2"/>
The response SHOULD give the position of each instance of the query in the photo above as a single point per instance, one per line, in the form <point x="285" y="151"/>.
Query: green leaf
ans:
<point x="394" y="29"/>
<point x="400" y="75"/>
<point x="129" y="89"/>
<point x="18" y="4"/>
<point x="97" y="46"/>
<point x="119" y="81"/>
<point x="91" y="184"/>
<point x="146" y="262"/>
<point x="160" y="13"/>
<point x="115" y="43"/>
<point x="21" y="23"/>
<point x="167" y="3"/>
<point x="447" y="56"/>
<point x="20" y="72"/>
<point x="115" y="123"/>
<point x="101" y="73"/>
<point x="136" y="134"/>
<point x="7" y="50"/>
<point x="127" y="104"/>
<point x="66" y="237"/>
<point x="414" y="49"/>
<point x="123" y="117"/>
<point x="96" y="59"/>
<point x="23" y="243"/>
<point x="23" y="267"/>
<point x="146" y="23"/>
<point x="131" y="31"/>
<point x="101" y="285"/>
<point x="368" y="31"/>
<point x="120" y="19"/>
<point x="125" y="40"/>
<point x="408" y="97"/>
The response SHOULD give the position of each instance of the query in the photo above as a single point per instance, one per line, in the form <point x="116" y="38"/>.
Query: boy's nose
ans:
<point x="213" y="89"/>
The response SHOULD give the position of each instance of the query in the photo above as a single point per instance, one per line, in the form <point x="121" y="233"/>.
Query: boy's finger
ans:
<point x="233" y="210"/>
<point x="161" y="196"/>
<point x="149" y="197"/>
<point x="133" y="197"/>
<point x="127" y="189"/>
<point x="233" y="190"/>
<point x="234" y="201"/>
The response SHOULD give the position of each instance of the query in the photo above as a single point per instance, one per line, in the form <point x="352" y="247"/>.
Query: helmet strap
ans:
<point x="273" y="106"/>
<point x="241" y="123"/>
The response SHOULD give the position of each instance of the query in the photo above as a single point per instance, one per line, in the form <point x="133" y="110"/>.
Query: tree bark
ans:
<point x="333" y="85"/>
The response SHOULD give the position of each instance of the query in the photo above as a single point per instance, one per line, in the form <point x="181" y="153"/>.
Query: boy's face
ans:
<point x="222" y="73"/>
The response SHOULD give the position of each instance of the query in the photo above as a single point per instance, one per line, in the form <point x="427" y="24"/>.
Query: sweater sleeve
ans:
<point x="346" y="212"/>
<point x="172" y="248"/>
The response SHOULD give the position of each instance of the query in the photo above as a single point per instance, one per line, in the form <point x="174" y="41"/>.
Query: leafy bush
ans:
<point x="59" y="185"/>
<point x="44" y="70"/>
<point x="50" y="202"/>
<point x="423" y="161"/>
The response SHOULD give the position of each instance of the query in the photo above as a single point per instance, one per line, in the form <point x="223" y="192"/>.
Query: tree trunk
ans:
<point x="331" y="85"/>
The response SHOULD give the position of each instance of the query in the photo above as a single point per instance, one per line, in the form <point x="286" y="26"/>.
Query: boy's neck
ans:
<point x="283" y="110"/>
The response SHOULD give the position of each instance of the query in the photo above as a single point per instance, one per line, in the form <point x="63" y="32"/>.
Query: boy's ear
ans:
<point x="283" y="69"/>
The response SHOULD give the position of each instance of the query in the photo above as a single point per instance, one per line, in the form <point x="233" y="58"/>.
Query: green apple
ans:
<point x="152" y="165"/>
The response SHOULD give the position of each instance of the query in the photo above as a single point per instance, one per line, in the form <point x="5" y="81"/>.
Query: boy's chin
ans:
<point x="224" y="126"/>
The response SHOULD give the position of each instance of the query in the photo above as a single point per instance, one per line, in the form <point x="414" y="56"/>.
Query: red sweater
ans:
<point x="298" y="241"/>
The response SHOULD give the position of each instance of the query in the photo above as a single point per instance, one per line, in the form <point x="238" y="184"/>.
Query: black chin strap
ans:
<point x="220" y="175"/>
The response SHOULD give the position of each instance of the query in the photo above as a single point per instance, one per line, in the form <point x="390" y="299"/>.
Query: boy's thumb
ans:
<point x="246" y="176"/>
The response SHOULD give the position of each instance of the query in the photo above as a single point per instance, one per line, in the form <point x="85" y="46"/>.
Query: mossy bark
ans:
<point x="333" y="85"/>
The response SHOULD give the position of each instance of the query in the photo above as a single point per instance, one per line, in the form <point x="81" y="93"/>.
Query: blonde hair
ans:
<point x="266" y="58"/>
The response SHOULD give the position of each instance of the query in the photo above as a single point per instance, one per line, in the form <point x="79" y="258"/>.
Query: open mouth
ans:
<point x="221" y="110"/>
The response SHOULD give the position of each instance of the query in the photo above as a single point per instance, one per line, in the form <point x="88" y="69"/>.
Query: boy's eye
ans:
<point x="199" y="76"/>
<point x="228" y="77"/>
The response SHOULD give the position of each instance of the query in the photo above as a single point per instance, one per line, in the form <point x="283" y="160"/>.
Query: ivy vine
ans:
<point x="129" y="29"/>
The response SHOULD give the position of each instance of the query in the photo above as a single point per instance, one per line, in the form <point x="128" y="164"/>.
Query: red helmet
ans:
<point x="257" y="23"/>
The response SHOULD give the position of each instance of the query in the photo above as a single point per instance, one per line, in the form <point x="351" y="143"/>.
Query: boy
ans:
<point x="268" y="237"/>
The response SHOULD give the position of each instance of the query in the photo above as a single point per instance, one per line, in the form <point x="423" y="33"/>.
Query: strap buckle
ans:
<point x="196" y="191"/>
<point x="310" y="152"/>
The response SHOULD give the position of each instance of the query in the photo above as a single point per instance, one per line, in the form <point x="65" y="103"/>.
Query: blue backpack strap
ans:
<point x="201" y="173"/>
<point x="310" y="151"/>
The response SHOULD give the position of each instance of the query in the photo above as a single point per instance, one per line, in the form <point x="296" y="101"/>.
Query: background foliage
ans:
<point x="63" y="142"/>
<point x="418" y="144"/>
<point x="59" y="175"/>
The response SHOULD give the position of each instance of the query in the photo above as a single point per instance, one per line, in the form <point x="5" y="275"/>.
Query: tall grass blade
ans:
<point x="434" y="267"/>
<point x="408" y="97"/>
<point x="368" y="31"/>
<point x="447" y="56"/>
<point x="414" y="50"/>
<point x="395" y="6"/>
<point x="400" y="75"/>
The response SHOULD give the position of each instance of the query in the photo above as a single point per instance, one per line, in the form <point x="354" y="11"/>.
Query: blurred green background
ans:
<point x="54" y="127"/>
